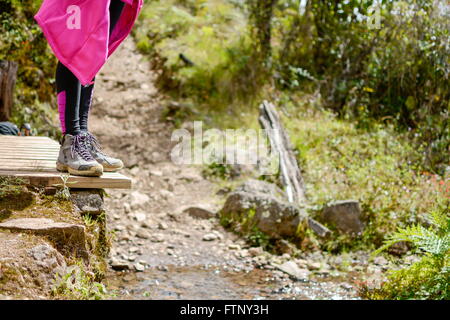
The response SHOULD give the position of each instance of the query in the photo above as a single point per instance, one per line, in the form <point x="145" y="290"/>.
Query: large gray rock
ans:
<point x="67" y="237"/>
<point x="262" y="187"/>
<point x="272" y="216"/>
<point x="88" y="202"/>
<point x="345" y="215"/>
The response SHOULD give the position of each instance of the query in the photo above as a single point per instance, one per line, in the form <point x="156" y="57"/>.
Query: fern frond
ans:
<point x="441" y="219"/>
<point x="425" y="239"/>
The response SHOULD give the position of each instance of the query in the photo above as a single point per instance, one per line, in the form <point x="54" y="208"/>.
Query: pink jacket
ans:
<point x="78" y="32"/>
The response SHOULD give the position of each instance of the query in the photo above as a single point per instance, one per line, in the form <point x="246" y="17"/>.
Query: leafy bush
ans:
<point x="22" y="41"/>
<point x="397" y="73"/>
<point x="203" y="51"/>
<point x="78" y="284"/>
<point x="430" y="277"/>
<point x="379" y="168"/>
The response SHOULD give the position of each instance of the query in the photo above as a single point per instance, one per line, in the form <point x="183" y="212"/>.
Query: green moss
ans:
<point x="14" y="195"/>
<point x="99" y="242"/>
<point x="49" y="207"/>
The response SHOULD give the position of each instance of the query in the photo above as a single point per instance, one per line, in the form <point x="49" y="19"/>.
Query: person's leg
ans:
<point x="69" y="92"/>
<point x="109" y="164"/>
<point x="115" y="11"/>
<point x="85" y="106"/>
<point x="74" y="156"/>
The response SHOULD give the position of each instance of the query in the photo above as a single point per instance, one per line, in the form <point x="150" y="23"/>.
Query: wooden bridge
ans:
<point x="34" y="159"/>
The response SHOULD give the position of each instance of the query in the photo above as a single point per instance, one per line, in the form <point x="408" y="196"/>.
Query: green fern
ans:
<point x="430" y="277"/>
<point x="434" y="240"/>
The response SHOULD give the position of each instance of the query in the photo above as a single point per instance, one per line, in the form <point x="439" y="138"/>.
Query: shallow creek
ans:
<point x="210" y="282"/>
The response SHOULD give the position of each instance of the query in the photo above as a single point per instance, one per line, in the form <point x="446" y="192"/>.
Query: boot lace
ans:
<point x="93" y="144"/>
<point x="79" y="147"/>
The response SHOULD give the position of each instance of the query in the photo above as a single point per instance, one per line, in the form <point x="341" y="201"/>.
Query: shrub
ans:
<point x="379" y="168"/>
<point x="22" y="41"/>
<point x="430" y="277"/>
<point x="203" y="51"/>
<point x="398" y="73"/>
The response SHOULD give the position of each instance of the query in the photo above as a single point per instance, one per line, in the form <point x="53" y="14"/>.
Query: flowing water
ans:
<point x="206" y="283"/>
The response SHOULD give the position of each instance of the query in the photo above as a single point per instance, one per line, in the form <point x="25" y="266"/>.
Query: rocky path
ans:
<point x="161" y="250"/>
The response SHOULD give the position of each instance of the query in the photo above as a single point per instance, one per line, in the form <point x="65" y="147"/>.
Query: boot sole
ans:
<point x="94" y="172"/>
<point x="112" y="169"/>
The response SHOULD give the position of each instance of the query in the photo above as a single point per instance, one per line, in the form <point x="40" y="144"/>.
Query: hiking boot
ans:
<point x="109" y="164"/>
<point x="75" y="158"/>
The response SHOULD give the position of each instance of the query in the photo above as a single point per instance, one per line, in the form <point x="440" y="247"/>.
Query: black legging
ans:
<point x="76" y="102"/>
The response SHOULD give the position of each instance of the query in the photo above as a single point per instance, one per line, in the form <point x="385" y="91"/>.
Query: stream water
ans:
<point x="214" y="283"/>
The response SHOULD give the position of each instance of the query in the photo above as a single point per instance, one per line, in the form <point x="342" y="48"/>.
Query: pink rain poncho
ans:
<point x="78" y="32"/>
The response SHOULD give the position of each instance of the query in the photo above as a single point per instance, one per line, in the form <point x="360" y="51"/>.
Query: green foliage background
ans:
<point x="395" y="73"/>
<point x="21" y="40"/>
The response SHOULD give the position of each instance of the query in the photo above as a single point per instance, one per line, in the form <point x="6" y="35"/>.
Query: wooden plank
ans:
<point x="28" y="150"/>
<point x="28" y="144"/>
<point x="34" y="159"/>
<point x="29" y="168"/>
<point x="53" y="178"/>
<point x="27" y="162"/>
<point x="4" y="144"/>
<point x="52" y="153"/>
<point x="43" y="157"/>
<point x="26" y="141"/>
<point x="25" y="138"/>
<point x="18" y="149"/>
<point x="48" y="157"/>
<point x="19" y="145"/>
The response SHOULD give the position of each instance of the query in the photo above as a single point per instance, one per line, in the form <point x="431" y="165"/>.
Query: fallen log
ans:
<point x="8" y="74"/>
<point x="291" y="177"/>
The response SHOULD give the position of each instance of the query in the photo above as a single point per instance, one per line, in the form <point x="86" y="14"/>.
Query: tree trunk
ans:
<point x="8" y="73"/>
<point x="261" y="14"/>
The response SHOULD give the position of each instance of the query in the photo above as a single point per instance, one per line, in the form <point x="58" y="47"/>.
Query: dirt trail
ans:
<point x="151" y="236"/>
